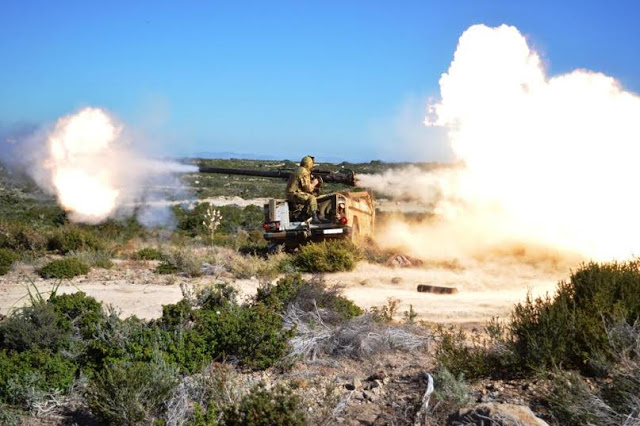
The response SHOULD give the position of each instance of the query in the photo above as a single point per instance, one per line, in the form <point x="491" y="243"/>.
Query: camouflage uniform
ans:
<point x="299" y="189"/>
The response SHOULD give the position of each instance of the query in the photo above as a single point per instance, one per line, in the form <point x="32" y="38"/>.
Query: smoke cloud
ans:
<point x="89" y="163"/>
<point x="548" y="162"/>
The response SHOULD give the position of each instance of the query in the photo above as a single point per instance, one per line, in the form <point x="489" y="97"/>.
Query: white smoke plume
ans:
<point x="89" y="163"/>
<point x="547" y="161"/>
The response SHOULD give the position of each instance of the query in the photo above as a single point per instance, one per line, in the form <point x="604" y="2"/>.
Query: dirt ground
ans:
<point x="484" y="290"/>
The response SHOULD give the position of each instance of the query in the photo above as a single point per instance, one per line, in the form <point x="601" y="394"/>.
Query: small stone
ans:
<point x="357" y="383"/>
<point x="396" y="280"/>
<point x="358" y="395"/>
<point x="369" y="396"/>
<point x="375" y="384"/>
<point x="386" y="381"/>
<point x="378" y="375"/>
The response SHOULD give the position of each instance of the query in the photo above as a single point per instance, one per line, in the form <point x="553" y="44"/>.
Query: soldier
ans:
<point x="300" y="188"/>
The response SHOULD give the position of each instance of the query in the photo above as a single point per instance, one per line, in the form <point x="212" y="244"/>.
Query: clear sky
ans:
<point x="341" y="79"/>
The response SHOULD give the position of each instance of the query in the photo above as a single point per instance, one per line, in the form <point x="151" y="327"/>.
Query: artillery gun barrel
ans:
<point x="283" y="174"/>
<point x="346" y="177"/>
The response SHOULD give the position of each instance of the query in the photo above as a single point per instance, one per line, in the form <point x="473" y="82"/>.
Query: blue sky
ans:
<point x="341" y="79"/>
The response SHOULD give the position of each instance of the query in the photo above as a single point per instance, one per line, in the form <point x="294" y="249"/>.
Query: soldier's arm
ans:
<point x="305" y="183"/>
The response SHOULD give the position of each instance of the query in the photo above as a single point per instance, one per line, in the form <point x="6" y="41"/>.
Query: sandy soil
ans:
<point x="130" y="287"/>
<point x="484" y="290"/>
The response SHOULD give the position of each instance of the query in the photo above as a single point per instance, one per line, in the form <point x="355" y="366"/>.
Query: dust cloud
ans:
<point x="547" y="164"/>
<point x="88" y="161"/>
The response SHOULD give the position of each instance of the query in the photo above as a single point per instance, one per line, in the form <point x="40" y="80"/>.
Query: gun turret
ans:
<point x="345" y="177"/>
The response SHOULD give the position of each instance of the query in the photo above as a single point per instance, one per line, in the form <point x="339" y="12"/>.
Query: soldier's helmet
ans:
<point x="307" y="162"/>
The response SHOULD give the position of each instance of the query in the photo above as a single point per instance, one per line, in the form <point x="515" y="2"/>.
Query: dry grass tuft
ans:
<point x="359" y="337"/>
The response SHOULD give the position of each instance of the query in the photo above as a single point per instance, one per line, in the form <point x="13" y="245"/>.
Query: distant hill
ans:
<point x="235" y="155"/>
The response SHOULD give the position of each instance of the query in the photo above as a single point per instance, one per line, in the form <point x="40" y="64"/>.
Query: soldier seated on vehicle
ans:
<point x="300" y="189"/>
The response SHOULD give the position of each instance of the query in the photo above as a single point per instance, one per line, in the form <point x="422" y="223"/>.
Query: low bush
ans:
<point x="166" y="268"/>
<point x="66" y="268"/>
<point x="187" y="261"/>
<point x="19" y="236"/>
<point x="266" y="407"/>
<point x="73" y="238"/>
<point x="94" y="258"/>
<point x="387" y="312"/>
<point x="148" y="253"/>
<point x="486" y="354"/>
<point x="327" y="256"/>
<point x="574" y="402"/>
<point x="252" y="335"/>
<point x="7" y="257"/>
<point x="569" y="328"/>
<point x="450" y="394"/>
<point x="37" y="326"/>
<point x="83" y="312"/>
<point x="29" y="375"/>
<point x="9" y="416"/>
<point x="118" y="230"/>
<point x="308" y="295"/>
<point x="128" y="393"/>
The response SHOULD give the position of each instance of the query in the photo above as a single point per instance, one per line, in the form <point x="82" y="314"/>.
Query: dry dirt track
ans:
<point x="484" y="290"/>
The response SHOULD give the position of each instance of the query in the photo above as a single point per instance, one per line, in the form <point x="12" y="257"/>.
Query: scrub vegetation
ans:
<point x="295" y="352"/>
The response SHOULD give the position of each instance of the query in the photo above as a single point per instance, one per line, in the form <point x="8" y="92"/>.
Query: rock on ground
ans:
<point x="498" y="414"/>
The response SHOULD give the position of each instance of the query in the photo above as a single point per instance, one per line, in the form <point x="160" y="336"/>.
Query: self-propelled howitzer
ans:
<point x="346" y="214"/>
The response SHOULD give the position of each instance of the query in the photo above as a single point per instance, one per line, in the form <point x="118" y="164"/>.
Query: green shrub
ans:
<point x="385" y="313"/>
<point x="131" y="339"/>
<point x="565" y="330"/>
<point x="130" y="393"/>
<point x="569" y="328"/>
<point x="19" y="237"/>
<point x="148" y="253"/>
<point x="9" y="416"/>
<point x="7" y="257"/>
<point x="176" y="315"/>
<point x="221" y="329"/>
<point x="253" y="335"/>
<point x="73" y="239"/>
<point x="166" y="268"/>
<point x="306" y="295"/>
<point x="219" y="296"/>
<point x="479" y="355"/>
<point x="450" y="394"/>
<point x="186" y="261"/>
<point x="83" y="312"/>
<point x="119" y="230"/>
<point x="37" y="326"/>
<point x="327" y="256"/>
<point x="64" y="268"/>
<point x="203" y="418"/>
<point x="95" y="258"/>
<point x="263" y="407"/>
<point x="26" y="374"/>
